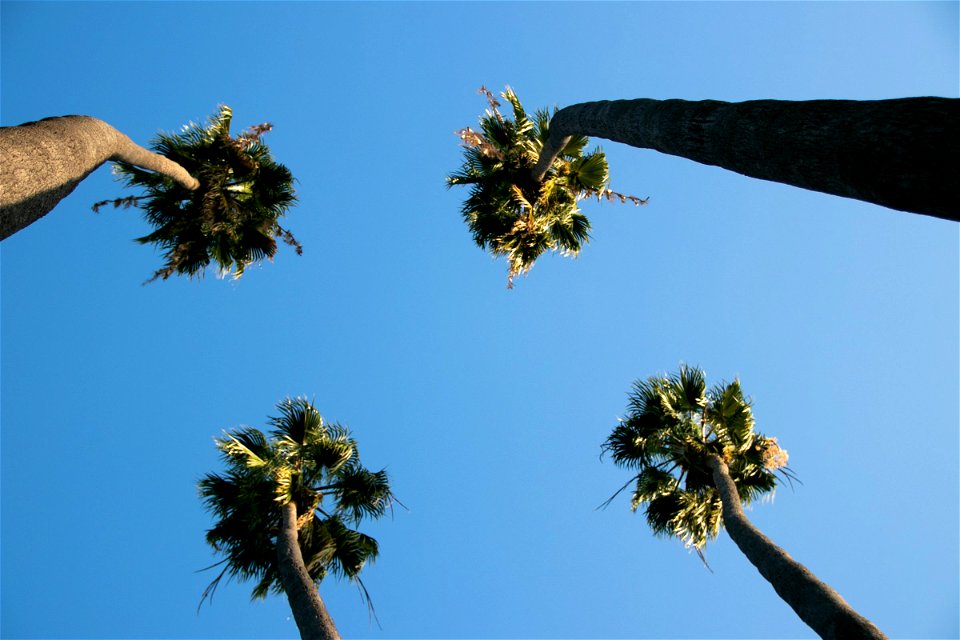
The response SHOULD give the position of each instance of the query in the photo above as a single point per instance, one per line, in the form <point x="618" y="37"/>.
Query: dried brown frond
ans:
<point x="252" y="134"/>
<point x="470" y="138"/>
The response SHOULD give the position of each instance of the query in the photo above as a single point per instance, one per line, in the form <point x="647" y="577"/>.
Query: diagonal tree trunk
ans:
<point x="43" y="161"/>
<point x="308" y="609"/>
<point x="903" y="154"/>
<point x="816" y="603"/>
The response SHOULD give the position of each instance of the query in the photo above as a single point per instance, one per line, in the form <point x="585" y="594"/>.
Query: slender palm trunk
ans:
<point x="308" y="609"/>
<point x="816" y="603"/>
<point x="43" y="161"/>
<point x="903" y="154"/>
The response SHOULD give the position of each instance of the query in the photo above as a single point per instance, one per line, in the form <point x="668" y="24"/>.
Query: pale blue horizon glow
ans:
<point x="487" y="406"/>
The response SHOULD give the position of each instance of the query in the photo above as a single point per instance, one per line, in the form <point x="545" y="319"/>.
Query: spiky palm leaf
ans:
<point x="308" y="461"/>
<point x="232" y="219"/>
<point x="672" y="424"/>
<point x="507" y="211"/>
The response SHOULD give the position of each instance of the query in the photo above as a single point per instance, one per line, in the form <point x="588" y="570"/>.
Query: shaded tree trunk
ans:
<point x="816" y="603"/>
<point x="43" y="161"/>
<point x="903" y="154"/>
<point x="308" y="609"/>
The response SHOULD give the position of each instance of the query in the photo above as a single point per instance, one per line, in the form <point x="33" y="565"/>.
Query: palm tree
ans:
<point x="210" y="196"/>
<point x="285" y="508"/>
<point x="697" y="458"/>
<point x="903" y="154"/>
<point x="44" y="161"/>
<point x="507" y="211"/>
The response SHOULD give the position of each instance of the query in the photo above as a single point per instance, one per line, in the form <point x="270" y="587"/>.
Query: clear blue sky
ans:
<point x="487" y="406"/>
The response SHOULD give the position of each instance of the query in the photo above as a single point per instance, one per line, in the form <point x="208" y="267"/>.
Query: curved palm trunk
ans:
<point x="816" y="603"/>
<point x="44" y="161"/>
<point x="903" y="154"/>
<point x="308" y="609"/>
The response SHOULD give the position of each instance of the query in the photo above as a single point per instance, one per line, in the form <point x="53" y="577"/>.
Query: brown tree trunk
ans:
<point x="41" y="162"/>
<point x="308" y="609"/>
<point x="816" y="603"/>
<point x="903" y="154"/>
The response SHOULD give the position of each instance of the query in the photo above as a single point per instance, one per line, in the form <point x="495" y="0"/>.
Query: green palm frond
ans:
<point x="298" y="419"/>
<point x="246" y="444"/>
<point x="361" y="493"/>
<point x="673" y="424"/>
<point x="232" y="219"/>
<point x="309" y="462"/>
<point x="507" y="212"/>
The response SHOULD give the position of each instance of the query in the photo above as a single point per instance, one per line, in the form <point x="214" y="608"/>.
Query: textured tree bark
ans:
<point x="903" y="154"/>
<point x="42" y="162"/>
<point x="308" y="609"/>
<point x="816" y="603"/>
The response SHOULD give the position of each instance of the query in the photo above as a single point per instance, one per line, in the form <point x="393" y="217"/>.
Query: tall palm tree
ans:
<point x="285" y="508"/>
<point x="507" y="211"/>
<point x="44" y="161"/>
<point x="210" y="196"/>
<point x="697" y="458"/>
<point x="903" y="153"/>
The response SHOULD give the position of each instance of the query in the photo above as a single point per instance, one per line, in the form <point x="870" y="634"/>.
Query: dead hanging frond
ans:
<point x="119" y="203"/>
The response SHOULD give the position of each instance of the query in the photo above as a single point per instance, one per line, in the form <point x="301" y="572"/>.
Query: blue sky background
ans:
<point x="487" y="406"/>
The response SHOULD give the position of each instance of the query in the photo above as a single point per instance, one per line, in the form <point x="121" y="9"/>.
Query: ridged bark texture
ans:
<point x="816" y="603"/>
<point x="903" y="154"/>
<point x="308" y="609"/>
<point x="42" y="162"/>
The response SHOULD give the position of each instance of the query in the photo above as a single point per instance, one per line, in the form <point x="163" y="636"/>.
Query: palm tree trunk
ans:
<point x="44" y="161"/>
<point x="903" y="154"/>
<point x="308" y="609"/>
<point x="816" y="603"/>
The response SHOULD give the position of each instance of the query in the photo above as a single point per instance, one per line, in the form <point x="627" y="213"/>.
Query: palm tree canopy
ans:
<point x="305" y="460"/>
<point x="510" y="213"/>
<point x="232" y="219"/>
<point x="673" y="424"/>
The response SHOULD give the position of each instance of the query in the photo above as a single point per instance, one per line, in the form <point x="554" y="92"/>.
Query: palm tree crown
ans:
<point x="309" y="462"/>
<point x="508" y="211"/>
<point x="232" y="218"/>
<point x="673" y="425"/>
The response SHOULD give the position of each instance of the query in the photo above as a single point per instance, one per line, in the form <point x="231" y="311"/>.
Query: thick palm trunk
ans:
<point x="816" y="603"/>
<point x="903" y="154"/>
<point x="41" y="162"/>
<point x="308" y="609"/>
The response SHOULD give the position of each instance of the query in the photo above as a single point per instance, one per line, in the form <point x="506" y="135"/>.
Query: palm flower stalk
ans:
<point x="697" y="459"/>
